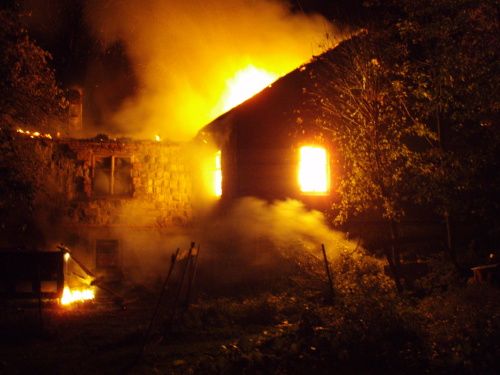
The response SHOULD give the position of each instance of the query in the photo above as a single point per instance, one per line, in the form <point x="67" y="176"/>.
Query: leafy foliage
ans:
<point x="454" y="61"/>
<point x="412" y="107"/>
<point x="29" y="96"/>
<point x="461" y="329"/>
<point x="29" y="191"/>
<point x="363" y="98"/>
<point x="368" y="328"/>
<point x="28" y="90"/>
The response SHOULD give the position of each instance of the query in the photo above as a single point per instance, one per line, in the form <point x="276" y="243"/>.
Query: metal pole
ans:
<point x="328" y="273"/>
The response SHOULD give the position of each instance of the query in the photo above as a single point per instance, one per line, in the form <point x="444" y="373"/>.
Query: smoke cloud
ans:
<point x="184" y="52"/>
<point x="254" y="241"/>
<point x="286" y="224"/>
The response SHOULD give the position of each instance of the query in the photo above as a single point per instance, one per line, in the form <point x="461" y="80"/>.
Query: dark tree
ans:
<point x="362" y="95"/>
<point x="363" y="98"/>
<point x="31" y="99"/>
<point x="29" y="94"/>
<point x="412" y="106"/>
<point x="453" y="77"/>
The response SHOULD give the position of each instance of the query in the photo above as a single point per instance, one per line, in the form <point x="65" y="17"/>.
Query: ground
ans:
<point x="290" y="326"/>
<point x="104" y="337"/>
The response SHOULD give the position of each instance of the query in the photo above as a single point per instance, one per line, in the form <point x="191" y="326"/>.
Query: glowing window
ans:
<point x="313" y="170"/>
<point x="218" y="174"/>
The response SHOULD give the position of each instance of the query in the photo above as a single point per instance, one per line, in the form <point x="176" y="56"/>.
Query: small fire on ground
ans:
<point x="72" y="294"/>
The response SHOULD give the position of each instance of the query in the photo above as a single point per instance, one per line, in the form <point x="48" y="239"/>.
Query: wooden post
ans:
<point x="328" y="273"/>
<point x="173" y="260"/>
<point x="192" y="275"/>
<point x="38" y="290"/>
<point x="171" y="319"/>
<point x="62" y="273"/>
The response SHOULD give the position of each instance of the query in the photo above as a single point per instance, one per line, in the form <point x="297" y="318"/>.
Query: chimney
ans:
<point x="75" y="109"/>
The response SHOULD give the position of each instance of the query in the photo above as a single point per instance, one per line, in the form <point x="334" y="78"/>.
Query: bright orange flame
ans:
<point x="34" y="134"/>
<point x="245" y="84"/>
<point x="70" y="296"/>
<point x="313" y="170"/>
<point x="218" y="174"/>
<point x="157" y="138"/>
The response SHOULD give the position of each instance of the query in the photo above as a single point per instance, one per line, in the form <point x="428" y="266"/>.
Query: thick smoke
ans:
<point x="258" y="242"/>
<point x="286" y="224"/>
<point x="254" y="240"/>
<point x="184" y="52"/>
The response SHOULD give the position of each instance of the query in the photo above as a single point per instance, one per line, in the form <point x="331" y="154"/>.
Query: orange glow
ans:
<point x="218" y="174"/>
<point x="157" y="138"/>
<point x="245" y="84"/>
<point x="33" y="134"/>
<point x="184" y="53"/>
<point x="72" y="295"/>
<point x="313" y="170"/>
<point x="76" y="295"/>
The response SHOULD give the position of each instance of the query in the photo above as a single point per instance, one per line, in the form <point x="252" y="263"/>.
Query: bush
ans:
<point x="461" y="329"/>
<point x="368" y="329"/>
<point x="367" y="326"/>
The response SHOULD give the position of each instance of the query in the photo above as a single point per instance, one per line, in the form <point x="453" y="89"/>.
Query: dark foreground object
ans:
<point x="31" y="274"/>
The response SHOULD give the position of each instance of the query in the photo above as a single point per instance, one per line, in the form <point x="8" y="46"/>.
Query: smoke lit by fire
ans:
<point x="196" y="60"/>
<point x="286" y="225"/>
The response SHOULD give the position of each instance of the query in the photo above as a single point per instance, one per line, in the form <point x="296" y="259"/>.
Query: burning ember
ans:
<point x="313" y="170"/>
<point x="245" y="84"/>
<point x="33" y="134"/>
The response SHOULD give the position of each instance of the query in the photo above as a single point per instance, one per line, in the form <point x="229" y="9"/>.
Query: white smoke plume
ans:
<point x="285" y="223"/>
<point x="253" y="240"/>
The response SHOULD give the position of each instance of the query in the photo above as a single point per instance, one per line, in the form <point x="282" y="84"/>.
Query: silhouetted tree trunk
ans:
<point x="393" y="257"/>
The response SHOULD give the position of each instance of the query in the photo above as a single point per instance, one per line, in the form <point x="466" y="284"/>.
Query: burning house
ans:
<point x="269" y="146"/>
<point x="120" y="198"/>
<point x="112" y="200"/>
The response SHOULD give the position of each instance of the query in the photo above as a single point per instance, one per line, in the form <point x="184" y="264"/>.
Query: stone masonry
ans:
<point x="144" y="197"/>
<point x="160" y="185"/>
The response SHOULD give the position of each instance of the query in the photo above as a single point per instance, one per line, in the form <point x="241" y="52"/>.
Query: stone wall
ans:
<point x="161" y="188"/>
<point x="157" y="204"/>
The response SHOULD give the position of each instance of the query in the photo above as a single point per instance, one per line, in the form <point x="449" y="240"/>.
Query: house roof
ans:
<point x="284" y="105"/>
